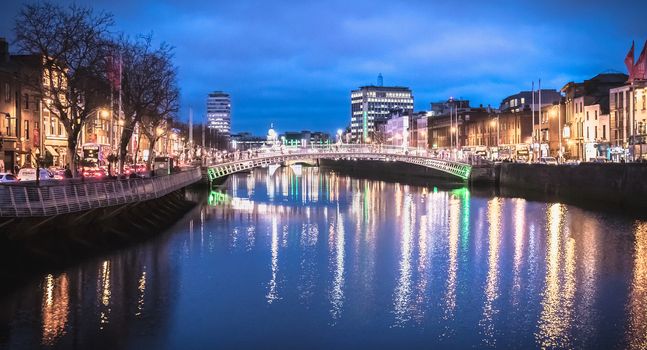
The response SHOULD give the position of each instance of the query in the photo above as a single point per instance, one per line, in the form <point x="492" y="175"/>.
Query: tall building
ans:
<point x="219" y="112"/>
<point x="372" y="104"/>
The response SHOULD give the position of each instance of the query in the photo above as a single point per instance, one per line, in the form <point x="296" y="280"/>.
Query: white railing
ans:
<point x="48" y="199"/>
<point x="386" y="153"/>
<point x="341" y="149"/>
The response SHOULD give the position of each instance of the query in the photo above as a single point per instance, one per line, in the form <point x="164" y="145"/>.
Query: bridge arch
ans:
<point x="456" y="169"/>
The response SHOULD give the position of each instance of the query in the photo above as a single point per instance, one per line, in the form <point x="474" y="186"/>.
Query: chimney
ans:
<point x="4" y="50"/>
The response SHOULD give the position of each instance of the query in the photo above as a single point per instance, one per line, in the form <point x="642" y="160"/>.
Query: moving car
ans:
<point x="548" y="160"/>
<point x="7" y="178"/>
<point x="29" y="174"/>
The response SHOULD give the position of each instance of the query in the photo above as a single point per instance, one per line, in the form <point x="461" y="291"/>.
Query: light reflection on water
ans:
<point x="323" y="260"/>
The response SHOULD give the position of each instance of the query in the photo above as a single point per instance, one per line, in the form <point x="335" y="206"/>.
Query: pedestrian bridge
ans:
<point x="261" y="158"/>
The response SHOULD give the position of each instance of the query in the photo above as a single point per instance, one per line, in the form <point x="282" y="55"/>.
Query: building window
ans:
<point x="52" y="128"/>
<point x="587" y="132"/>
<point x="644" y="104"/>
<point x="26" y="129"/>
<point x="596" y="115"/>
<point x="587" y="115"/>
<point x="7" y="92"/>
<point x="26" y="101"/>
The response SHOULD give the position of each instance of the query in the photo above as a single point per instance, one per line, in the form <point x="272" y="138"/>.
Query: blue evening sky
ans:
<point x="294" y="63"/>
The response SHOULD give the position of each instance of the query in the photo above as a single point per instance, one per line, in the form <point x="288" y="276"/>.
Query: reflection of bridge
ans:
<point x="360" y="152"/>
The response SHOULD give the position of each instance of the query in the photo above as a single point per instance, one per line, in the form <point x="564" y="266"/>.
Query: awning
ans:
<point x="51" y="150"/>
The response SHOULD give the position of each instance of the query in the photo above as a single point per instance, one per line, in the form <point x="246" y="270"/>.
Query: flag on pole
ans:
<point x="113" y="71"/>
<point x="629" y="62"/>
<point x="640" y="69"/>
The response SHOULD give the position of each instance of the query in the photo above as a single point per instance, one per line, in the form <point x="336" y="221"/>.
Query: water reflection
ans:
<point x="450" y="295"/>
<point x="557" y="305"/>
<point x="494" y="211"/>
<point x="637" y="308"/>
<point x="337" y="262"/>
<point x="330" y="257"/>
<point x="272" y="294"/>
<point x="402" y="302"/>
<point x="55" y="308"/>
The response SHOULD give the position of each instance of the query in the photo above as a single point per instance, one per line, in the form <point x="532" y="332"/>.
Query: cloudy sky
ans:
<point x="294" y="63"/>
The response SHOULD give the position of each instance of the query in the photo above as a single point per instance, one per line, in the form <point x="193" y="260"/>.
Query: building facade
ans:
<point x="582" y="97"/>
<point x="524" y="100"/>
<point x="371" y="105"/>
<point x="628" y="119"/>
<point x="219" y="112"/>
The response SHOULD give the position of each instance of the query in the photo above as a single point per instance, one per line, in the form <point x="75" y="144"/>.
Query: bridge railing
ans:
<point x="334" y="148"/>
<point x="27" y="200"/>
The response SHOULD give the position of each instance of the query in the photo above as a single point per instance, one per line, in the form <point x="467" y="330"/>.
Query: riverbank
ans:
<point x="620" y="185"/>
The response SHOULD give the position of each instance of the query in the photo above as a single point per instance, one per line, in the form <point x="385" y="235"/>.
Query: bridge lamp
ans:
<point x="104" y="113"/>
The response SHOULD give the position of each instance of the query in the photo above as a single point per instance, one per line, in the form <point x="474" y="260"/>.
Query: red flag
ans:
<point x="629" y="62"/>
<point x="113" y="72"/>
<point x="640" y="69"/>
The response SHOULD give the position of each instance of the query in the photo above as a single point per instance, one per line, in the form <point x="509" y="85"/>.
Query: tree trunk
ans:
<point x="71" y="152"/>
<point x="151" y="149"/>
<point x="126" y="135"/>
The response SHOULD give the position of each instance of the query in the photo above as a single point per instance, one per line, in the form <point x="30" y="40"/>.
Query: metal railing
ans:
<point x="27" y="200"/>
<point x="386" y="153"/>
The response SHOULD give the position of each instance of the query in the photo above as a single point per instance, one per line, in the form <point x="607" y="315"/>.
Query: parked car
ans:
<point x="96" y="172"/>
<point x="8" y="178"/>
<point x="548" y="160"/>
<point x="29" y="174"/>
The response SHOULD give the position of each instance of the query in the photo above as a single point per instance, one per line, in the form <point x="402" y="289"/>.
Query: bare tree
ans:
<point x="157" y="122"/>
<point x="144" y="82"/>
<point x="69" y="46"/>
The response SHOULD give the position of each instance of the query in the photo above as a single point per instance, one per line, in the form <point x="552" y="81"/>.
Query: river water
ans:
<point x="320" y="260"/>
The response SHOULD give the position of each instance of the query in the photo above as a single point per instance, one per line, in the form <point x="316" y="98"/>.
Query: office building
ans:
<point x="372" y="104"/>
<point x="219" y="112"/>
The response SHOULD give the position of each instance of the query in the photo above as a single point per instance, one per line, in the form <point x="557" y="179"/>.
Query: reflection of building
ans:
<point x="372" y="104"/>
<point x="219" y="112"/>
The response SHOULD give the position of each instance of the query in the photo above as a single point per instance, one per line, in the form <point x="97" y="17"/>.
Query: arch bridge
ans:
<point x="261" y="158"/>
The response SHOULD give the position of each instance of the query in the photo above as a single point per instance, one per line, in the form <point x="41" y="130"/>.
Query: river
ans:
<point x="320" y="260"/>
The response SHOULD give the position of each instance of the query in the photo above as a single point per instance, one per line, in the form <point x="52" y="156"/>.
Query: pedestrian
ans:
<point x="16" y="169"/>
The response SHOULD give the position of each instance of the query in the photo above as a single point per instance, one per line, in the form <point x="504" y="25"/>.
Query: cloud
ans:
<point x="295" y="62"/>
